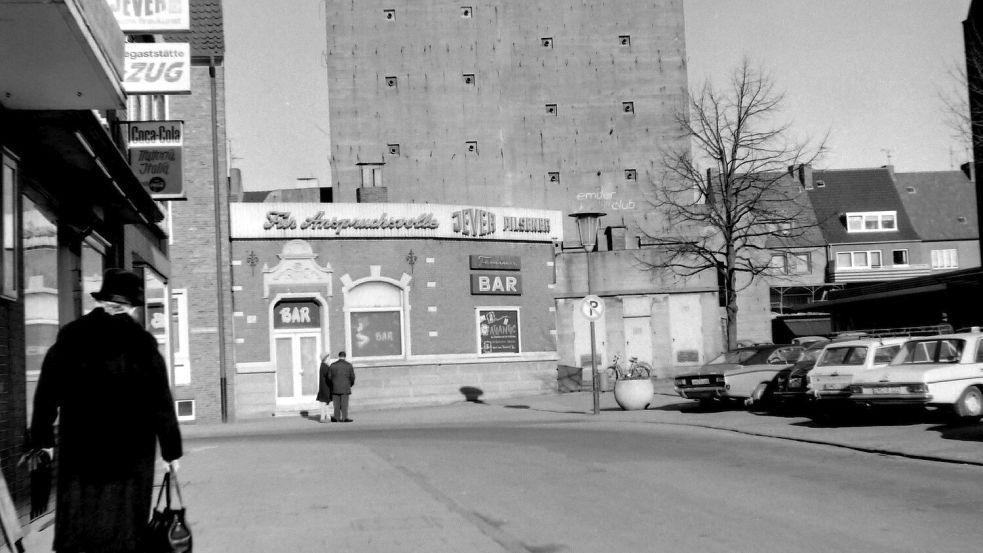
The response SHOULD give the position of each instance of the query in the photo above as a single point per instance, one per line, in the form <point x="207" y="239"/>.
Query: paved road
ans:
<point x="542" y="475"/>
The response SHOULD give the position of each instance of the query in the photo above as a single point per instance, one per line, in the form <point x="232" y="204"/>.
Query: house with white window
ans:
<point x="942" y="208"/>
<point x="869" y="234"/>
<point x="903" y="248"/>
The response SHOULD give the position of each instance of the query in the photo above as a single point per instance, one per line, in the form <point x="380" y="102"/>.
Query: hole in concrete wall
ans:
<point x="391" y="82"/>
<point x="624" y="40"/>
<point x="467" y="12"/>
<point x="469" y="78"/>
<point x="547" y="41"/>
<point x="471" y="146"/>
<point x="390" y="15"/>
<point x="393" y="149"/>
<point x="550" y="109"/>
<point x="628" y="107"/>
<point x="553" y="176"/>
<point x="631" y="174"/>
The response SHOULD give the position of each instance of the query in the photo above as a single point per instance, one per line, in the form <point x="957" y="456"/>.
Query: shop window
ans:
<point x="498" y="330"/>
<point x="94" y="250"/>
<point x="41" y="295"/>
<point x="8" y="196"/>
<point x="179" y="336"/>
<point x="375" y="320"/>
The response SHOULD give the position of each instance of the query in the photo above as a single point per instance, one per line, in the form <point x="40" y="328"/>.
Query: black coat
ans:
<point x="341" y="375"/>
<point x="107" y="380"/>
<point x="323" y="384"/>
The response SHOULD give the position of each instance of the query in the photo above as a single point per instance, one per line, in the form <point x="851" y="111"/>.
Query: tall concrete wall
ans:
<point x="402" y="77"/>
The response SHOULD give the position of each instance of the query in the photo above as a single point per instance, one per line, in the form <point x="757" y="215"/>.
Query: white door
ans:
<point x="638" y="339"/>
<point x="297" y="363"/>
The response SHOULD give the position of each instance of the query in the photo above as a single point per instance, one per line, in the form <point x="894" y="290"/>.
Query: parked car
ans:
<point x="829" y="381"/>
<point x="706" y="384"/>
<point x="754" y="380"/>
<point x="944" y="371"/>
<point x="791" y="385"/>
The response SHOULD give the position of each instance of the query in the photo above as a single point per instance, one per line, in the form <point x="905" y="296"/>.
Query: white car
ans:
<point x="840" y="362"/>
<point x="943" y="371"/>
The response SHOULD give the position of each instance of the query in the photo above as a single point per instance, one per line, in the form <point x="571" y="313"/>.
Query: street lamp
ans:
<point x="588" y="223"/>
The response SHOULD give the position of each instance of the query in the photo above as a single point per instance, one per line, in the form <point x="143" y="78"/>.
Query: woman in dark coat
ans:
<point x="323" y="389"/>
<point x="106" y="381"/>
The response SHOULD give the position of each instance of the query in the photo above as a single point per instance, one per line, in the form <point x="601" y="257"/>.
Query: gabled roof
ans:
<point x="857" y="190"/>
<point x="940" y="204"/>
<point x="807" y="233"/>
<point x="207" y="35"/>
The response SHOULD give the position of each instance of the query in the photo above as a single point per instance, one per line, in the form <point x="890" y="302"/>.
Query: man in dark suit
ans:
<point x="341" y="378"/>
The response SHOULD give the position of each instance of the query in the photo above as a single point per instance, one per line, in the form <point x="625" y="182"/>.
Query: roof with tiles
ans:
<point x="837" y="192"/>
<point x="941" y="204"/>
<point x="207" y="35"/>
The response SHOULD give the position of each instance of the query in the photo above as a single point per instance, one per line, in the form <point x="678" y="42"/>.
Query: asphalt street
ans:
<point x="542" y="474"/>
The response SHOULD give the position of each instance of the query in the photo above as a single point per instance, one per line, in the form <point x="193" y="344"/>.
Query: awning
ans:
<point x="72" y="154"/>
<point x="809" y="327"/>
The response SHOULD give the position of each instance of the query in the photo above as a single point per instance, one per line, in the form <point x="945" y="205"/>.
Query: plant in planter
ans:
<point x="633" y="388"/>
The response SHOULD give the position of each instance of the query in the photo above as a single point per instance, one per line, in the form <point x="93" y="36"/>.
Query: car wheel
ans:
<point x="970" y="404"/>
<point x="758" y="396"/>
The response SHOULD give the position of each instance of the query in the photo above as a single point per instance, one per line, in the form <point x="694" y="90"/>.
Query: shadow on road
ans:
<point x="966" y="432"/>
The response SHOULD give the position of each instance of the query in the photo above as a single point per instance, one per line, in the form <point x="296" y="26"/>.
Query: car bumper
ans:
<point x="701" y="392"/>
<point x="892" y="399"/>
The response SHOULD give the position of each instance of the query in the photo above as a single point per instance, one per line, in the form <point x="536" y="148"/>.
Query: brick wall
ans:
<point x="193" y="252"/>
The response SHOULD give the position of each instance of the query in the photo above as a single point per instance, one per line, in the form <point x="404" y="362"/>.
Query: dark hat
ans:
<point x="121" y="286"/>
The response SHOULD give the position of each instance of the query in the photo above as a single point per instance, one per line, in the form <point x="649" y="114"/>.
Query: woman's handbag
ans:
<point x="167" y="531"/>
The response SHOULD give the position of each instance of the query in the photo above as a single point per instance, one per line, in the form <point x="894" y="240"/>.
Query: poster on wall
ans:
<point x="376" y="334"/>
<point x="498" y="331"/>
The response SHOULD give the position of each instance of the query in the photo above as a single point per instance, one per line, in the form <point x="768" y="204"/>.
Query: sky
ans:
<point x="867" y="72"/>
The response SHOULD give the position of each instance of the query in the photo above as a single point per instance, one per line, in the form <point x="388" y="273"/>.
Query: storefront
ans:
<point x="71" y="208"/>
<point x="432" y="303"/>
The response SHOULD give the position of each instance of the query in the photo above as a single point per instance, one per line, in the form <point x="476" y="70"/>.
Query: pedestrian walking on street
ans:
<point x="341" y="378"/>
<point x="106" y="382"/>
<point x="324" y="389"/>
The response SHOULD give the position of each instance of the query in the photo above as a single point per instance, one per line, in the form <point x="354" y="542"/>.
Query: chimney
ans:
<point x="805" y="176"/>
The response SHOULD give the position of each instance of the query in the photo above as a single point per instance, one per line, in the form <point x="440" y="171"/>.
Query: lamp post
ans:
<point x="588" y="223"/>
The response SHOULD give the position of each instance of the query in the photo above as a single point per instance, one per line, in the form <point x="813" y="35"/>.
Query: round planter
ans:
<point x="634" y="394"/>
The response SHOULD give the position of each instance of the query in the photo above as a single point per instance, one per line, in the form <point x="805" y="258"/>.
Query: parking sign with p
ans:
<point x="592" y="308"/>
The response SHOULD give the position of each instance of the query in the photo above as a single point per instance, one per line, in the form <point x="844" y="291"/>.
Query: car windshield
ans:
<point x="736" y="356"/>
<point x="946" y="350"/>
<point x="845" y="355"/>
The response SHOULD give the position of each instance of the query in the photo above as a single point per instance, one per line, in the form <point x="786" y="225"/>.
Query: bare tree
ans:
<point x="727" y="198"/>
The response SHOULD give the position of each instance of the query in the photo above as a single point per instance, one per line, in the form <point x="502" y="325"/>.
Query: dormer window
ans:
<point x="872" y="221"/>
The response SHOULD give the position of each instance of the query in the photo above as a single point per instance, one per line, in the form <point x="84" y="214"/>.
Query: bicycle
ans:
<point x="636" y="370"/>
